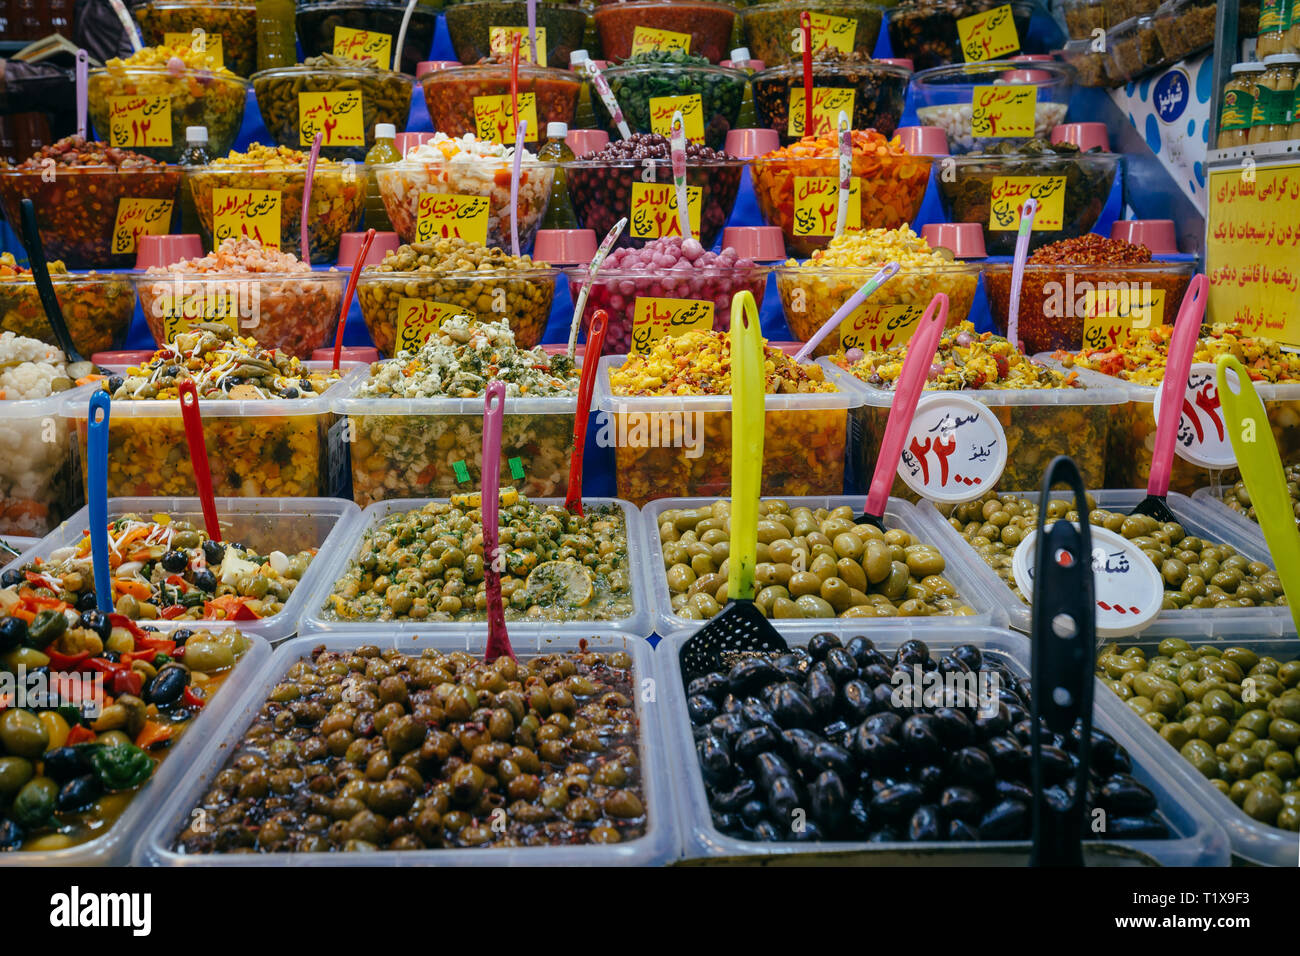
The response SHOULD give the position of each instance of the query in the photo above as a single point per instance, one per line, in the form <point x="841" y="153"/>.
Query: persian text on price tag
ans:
<point x="1113" y="311"/>
<point x="135" y="121"/>
<point x="364" y="44"/>
<point x="955" y="449"/>
<point x="654" y="318"/>
<point x="662" y="109"/>
<point x="139" y="217"/>
<point x="211" y="45"/>
<point x="440" y="216"/>
<point x="417" y="319"/>
<point x="207" y="304"/>
<point x="988" y="35"/>
<point x="831" y="33"/>
<point x="499" y="43"/>
<point x="1202" y="433"/>
<point x="816" y="202"/>
<point x="874" y="328"/>
<point x="1003" y="110"/>
<point x="495" y="119"/>
<point x="338" y="115"/>
<point x="246" y="212"/>
<point x="654" y="210"/>
<point x="1010" y="193"/>
<point x="646" y="39"/>
<point x="828" y="103"/>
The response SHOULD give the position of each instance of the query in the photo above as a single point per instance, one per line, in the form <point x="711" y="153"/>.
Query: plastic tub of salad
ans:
<point x="981" y="104"/>
<point x="870" y="92"/>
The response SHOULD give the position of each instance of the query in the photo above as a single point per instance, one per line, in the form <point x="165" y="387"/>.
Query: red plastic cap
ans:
<point x="748" y="143"/>
<point x="1083" y="135"/>
<point x="162" y="251"/>
<point x="760" y="243"/>
<point x="122" y="359"/>
<point x="350" y="353"/>
<point x="350" y="245"/>
<point x="924" y="140"/>
<point x="1156" y="234"/>
<point x="964" y="239"/>
<point x="1028" y="76"/>
<point x="904" y="61"/>
<point x="584" y="141"/>
<point x="564" y="247"/>
<point x="405" y="141"/>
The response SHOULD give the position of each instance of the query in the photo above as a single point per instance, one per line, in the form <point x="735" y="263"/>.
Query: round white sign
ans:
<point x="1202" y="433"/>
<point x="955" y="449"/>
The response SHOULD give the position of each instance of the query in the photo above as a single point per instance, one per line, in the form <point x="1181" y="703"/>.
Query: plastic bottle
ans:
<point x="584" y="117"/>
<point x="740" y="60"/>
<point x="277" y="44"/>
<point x="559" y="212"/>
<point x="384" y="151"/>
<point x="195" y="155"/>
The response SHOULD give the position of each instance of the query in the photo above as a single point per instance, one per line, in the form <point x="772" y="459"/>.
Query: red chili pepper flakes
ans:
<point x="1090" y="250"/>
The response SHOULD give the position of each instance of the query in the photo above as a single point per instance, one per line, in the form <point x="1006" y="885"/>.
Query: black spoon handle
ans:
<point x="41" y="274"/>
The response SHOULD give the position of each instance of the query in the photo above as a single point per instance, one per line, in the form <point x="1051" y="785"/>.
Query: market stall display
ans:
<point x="697" y="26"/>
<point x="481" y="28"/>
<point x="96" y="307"/>
<point x="870" y="91"/>
<point x="229" y="24"/>
<point x="476" y="100"/>
<point x="319" y="22"/>
<point x="650" y="86"/>
<point x="849" y="26"/>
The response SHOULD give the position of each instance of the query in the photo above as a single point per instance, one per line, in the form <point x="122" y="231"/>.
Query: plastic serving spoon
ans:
<point x="1187" y="329"/>
<point x="349" y="292"/>
<point x="189" y="397"/>
<point x="1261" y="470"/>
<point x="843" y="312"/>
<point x="494" y="405"/>
<point x="97" y="496"/>
<point x="586" y="385"/>
<point x="45" y="288"/>
<point x="1027" y="213"/>
<point x="305" y="251"/>
<point x="741" y="626"/>
<point x="920" y="356"/>
<point x="1063" y="640"/>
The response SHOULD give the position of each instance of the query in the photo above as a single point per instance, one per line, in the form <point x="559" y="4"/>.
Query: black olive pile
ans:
<point x="810" y="745"/>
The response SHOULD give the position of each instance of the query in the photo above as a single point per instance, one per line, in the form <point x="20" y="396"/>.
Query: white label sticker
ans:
<point x="955" y="449"/>
<point x="1126" y="585"/>
<point x="1202" y="433"/>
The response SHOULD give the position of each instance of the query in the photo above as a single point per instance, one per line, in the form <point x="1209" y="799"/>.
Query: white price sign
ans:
<point x="955" y="449"/>
<point x="1202" y="433"/>
<point x="1128" y="589"/>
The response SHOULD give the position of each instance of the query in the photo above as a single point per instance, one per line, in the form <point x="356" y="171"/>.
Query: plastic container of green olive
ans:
<point x="1251" y="839"/>
<point x="1212" y="498"/>
<point x="1196" y="838"/>
<point x="114" y="846"/>
<point x="1186" y="623"/>
<point x="898" y="514"/>
<point x="639" y="623"/>
<point x="657" y="847"/>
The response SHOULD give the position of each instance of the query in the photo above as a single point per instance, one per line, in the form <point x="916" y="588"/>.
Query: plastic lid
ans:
<point x="556" y="130"/>
<point x="576" y="57"/>
<point x="1282" y="59"/>
<point x="1254" y="66"/>
<point x="740" y="54"/>
<point x="196" y="134"/>
<point x="385" y="131"/>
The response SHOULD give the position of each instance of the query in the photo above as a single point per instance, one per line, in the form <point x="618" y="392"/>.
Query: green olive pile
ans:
<point x="1233" y="715"/>
<point x="811" y="563"/>
<point x="1198" y="573"/>
<point x="1238" y="498"/>
<point x="379" y="750"/>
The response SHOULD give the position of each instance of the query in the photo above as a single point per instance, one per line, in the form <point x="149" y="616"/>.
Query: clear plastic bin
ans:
<point x="679" y="446"/>
<point x="114" y="846"/>
<point x="637" y="623"/>
<point x="405" y="447"/>
<point x="1198" y="841"/>
<point x="898" y="514"/>
<point x="40" y="474"/>
<point x="1186" y="623"/>
<point x="1251" y="839"/>
<point x="256" y="447"/>
<point x="264" y="524"/>
<point x="1135" y="48"/>
<point x="657" y="847"/>
<point x="1211" y="499"/>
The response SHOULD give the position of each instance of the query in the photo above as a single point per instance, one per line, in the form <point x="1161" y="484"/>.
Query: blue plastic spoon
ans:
<point x="97" y="497"/>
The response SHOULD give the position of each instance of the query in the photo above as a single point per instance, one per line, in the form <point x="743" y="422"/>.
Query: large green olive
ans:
<point x="14" y="773"/>
<point x="22" y="734"/>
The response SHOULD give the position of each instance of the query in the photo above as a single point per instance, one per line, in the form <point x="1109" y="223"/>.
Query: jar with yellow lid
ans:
<point x="1270" y="121"/>
<point x="1238" y="105"/>
<point x="1274" y="27"/>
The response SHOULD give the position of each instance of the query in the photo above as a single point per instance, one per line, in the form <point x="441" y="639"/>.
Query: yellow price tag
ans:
<point x="1003" y="110"/>
<point x="139" y="217"/>
<point x="653" y="318"/>
<point x="246" y="212"/>
<point x="417" y="319"/>
<point x="988" y="35"/>
<point x="692" y="107"/>
<point x="496" y="121"/>
<point x="874" y="328"/>
<point x="441" y="216"/>
<point x="140" y="120"/>
<point x="337" y="114"/>
<point x="832" y="33"/>
<point x="654" y="210"/>
<point x="646" y="39"/>
<point x="1114" y="310"/>
<point x="200" y="41"/>
<point x="817" y="203"/>
<point x="1010" y="193"/>
<point x="204" y="304"/>
<point x="364" y="44"/>
<point x="828" y="103"/>
<point x="499" y="43"/>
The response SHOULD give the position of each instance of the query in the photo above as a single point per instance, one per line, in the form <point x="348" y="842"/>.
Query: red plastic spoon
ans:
<point x="199" y="456"/>
<point x="586" y="385"/>
<point x="494" y="406"/>
<point x="805" y="30"/>
<point x="349" y="292"/>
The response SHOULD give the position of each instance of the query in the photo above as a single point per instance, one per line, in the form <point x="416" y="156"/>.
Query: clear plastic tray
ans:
<point x="1251" y="840"/>
<point x="898" y="514"/>
<point x="1186" y="623"/>
<point x="406" y="438"/>
<point x="114" y="847"/>
<point x="638" y="623"/>
<point x="265" y="524"/>
<point x="1199" y="842"/>
<point x="657" y="847"/>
